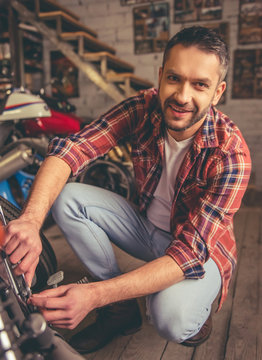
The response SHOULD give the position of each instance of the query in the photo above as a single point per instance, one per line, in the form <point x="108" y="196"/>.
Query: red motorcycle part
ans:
<point x="58" y="123"/>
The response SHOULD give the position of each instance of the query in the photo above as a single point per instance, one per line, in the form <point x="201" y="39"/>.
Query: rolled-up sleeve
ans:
<point x="97" y="138"/>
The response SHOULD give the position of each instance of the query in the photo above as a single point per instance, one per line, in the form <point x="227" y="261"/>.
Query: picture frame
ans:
<point x="135" y="2"/>
<point x="197" y="10"/>
<point x="151" y="28"/>
<point x="247" y="77"/>
<point x="250" y="22"/>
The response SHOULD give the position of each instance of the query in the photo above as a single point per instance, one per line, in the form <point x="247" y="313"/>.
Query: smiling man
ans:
<point x="192" y="168"/>
<point x="190" y="81"/>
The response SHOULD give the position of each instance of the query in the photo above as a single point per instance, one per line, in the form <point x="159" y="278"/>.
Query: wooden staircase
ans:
<point x="81" y="46"/>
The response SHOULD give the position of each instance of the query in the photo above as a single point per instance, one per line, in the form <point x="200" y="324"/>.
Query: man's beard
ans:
<point x="195" y="117"/>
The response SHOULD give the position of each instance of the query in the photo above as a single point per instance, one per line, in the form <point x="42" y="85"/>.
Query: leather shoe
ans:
<point x="121" y="318"/>
<point x="201" y="336"/>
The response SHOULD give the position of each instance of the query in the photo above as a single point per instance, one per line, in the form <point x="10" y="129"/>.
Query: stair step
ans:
<point x="108" y="61"/>
<point x="46" y="6"/>
<point x="86" y="42"/>
<point x="69" y="29"/>
<point x="63" y="22"/>
<point x="130" y="82"/>
<point x="50" y="5"/>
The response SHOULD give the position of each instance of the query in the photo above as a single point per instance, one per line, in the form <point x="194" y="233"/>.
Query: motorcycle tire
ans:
<point x="110" y="175"/>
<point x="47" y="261"/>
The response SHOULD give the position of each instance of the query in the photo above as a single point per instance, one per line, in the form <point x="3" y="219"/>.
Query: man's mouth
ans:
<point x="179" y="109"/>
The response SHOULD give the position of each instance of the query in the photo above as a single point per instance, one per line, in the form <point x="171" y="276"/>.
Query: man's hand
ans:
<point x="65" y="306"/>
<point x="23" y="245"/>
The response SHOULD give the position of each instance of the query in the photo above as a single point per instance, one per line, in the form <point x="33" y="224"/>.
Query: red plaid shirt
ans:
<point x="209" y="186"/>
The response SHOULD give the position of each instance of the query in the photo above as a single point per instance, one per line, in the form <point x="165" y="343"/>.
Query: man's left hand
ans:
<point x="65" y="306"/>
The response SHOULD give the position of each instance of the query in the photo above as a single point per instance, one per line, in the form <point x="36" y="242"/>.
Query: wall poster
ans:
<point x="250" y="21"/>
<point x="151" y="28"/>
<point x="247" y="80"/>
<point x="133" y="2"/>
<point x="64" y="76"/>
<point x="197" y="10"/>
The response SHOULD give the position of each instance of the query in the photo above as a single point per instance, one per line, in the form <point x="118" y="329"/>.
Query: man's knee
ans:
<point x="179" y="324"/>
<point x="63" y="201"/>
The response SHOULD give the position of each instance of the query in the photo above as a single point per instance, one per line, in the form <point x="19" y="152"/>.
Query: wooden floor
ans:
<point x="237" y="328"/>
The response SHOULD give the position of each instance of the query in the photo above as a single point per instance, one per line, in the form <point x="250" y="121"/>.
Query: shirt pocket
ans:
<point x="192" y="189"/>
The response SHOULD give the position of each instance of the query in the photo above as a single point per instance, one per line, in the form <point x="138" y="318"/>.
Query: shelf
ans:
<point x="5" y="81"/>
<point x="4" y="37"/>
<point x="32" y="68"/>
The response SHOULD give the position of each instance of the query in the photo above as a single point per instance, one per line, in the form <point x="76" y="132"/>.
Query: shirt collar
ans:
<point x="206" y="136"/>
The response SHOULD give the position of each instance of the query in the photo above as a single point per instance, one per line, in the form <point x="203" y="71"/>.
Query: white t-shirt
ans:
<point x="160" y="207"/>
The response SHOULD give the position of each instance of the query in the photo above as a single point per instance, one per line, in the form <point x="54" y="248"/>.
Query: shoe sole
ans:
<point x="189" y="343"/>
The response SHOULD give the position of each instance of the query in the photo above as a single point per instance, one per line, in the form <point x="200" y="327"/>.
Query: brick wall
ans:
<point x="114" y="25"/>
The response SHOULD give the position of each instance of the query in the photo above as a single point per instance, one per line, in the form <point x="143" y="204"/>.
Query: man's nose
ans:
<point x="183" y="93"/>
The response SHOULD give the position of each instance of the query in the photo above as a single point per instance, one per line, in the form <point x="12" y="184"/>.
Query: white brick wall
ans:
<point x="114" y="25"/>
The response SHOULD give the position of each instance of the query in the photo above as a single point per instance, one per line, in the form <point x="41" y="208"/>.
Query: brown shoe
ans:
<point x="121" y="318"/>
<point x="201" y="336"/>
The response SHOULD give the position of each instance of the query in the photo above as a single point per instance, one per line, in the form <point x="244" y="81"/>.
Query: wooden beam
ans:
<point x="17" y="54"/>
<point x="88" y="69"/>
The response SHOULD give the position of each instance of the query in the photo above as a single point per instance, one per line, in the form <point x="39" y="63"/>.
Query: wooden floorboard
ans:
<point x="215" y="346"/>
<point x="242" y="341"/>
<point x="259" y="323"/>
<point x="237" y="332"/>
<point x="146" y="338"/>
<point x="175" y="351"/>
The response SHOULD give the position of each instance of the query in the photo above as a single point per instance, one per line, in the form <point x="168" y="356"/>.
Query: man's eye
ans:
<point x="201" y="85"/>
<point x="172" y="78"/>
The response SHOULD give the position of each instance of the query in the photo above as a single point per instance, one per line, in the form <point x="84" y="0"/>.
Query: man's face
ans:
<point x="188" y="85"/>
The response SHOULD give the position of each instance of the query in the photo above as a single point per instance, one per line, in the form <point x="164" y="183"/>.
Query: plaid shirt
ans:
<point x="209" y="186"/>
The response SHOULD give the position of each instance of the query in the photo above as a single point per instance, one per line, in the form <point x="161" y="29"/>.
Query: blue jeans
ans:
<point x="91" y="218"/>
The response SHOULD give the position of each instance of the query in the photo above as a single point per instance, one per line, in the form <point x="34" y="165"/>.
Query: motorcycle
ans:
<point x="26" y="128"/>
<point x="16" y="154"/>
<point x="27" y="124"/>
<point x="24" y="335"/>
<point x="24" y="136"/>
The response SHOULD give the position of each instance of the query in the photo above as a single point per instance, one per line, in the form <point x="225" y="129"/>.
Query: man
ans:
<point x="191" y="166"/>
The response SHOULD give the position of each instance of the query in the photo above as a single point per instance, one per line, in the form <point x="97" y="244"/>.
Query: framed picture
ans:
<point x="134" y="2"/>
<point x="197" y="10"/>
<point x="64" y="76"/>
<point x="247" y="80"/>
<point x="250" y="22"/>
<point x="151" y="28"/>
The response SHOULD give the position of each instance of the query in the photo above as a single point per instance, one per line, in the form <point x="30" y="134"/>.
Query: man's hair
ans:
<point x="204" y="39"/>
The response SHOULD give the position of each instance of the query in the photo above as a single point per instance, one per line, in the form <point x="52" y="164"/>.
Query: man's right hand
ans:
<point x="22" y="240"/>
<point x="23" y="245"/>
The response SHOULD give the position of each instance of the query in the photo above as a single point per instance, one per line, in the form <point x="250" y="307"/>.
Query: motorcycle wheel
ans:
<point x="110" y="175"/>
<point x="47" y="261"/>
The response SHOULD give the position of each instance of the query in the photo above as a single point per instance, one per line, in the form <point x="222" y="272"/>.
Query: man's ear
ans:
<point x="219" y="91"/>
